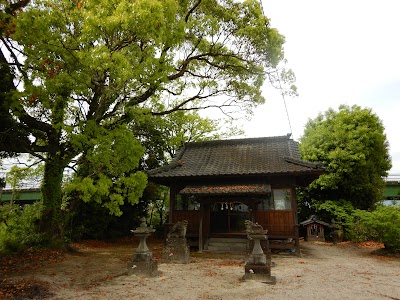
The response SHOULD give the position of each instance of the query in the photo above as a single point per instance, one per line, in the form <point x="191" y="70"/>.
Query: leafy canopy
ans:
<point x="80" y="72"/>
<point x="352" y="145"/>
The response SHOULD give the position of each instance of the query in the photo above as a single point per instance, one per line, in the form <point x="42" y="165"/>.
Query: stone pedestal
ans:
<point x="259" y="273"/>
<point x="142" y="262"/>
<point x="176" y="250"/>
<point x="258" y="265"/>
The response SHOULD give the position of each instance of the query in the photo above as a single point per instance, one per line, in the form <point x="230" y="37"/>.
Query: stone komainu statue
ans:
<point x="254" y="228"/>
<point x="178" y="230"/>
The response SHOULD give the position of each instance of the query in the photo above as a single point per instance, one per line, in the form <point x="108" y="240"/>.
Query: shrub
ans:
<point x="339" y="210"/>
<point x="92" y="221"/>
<point x="381" y="225"/>
<point x="18" y="227"/>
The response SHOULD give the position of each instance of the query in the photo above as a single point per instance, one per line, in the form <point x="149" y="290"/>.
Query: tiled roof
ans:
<point x="252" y="156"/>
<point x="313" y="219"/>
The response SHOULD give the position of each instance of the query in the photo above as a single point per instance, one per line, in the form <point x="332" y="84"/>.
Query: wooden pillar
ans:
<point x="253" y="208"/>
<point x="295" y="219"/>
<point x="201" y="227"/>
<point x="172" y="199"/>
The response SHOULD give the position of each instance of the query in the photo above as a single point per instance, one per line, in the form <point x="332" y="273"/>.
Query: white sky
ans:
<point x="342" y="52"/>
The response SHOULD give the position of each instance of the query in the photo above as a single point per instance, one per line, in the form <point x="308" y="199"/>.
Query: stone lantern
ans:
<point x="142" y="262"/>
<point x="258" y="265"/>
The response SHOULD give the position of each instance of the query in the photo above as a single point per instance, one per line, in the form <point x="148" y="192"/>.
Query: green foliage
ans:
<point x="19" y="227"/>
<point x="341" y="211"/>
<point x="381" y="225"/>
<point x="90" y="220"/>
<point x="17" y="175"/>
<point x="12" y="136"/>
<point x="352" y="146"/>
<point x="158" y="201"/>
<point x="107" y="171"/>
<point x="78" y="74"/>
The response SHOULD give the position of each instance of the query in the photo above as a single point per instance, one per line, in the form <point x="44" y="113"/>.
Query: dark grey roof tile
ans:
<point x="267" y="155"/>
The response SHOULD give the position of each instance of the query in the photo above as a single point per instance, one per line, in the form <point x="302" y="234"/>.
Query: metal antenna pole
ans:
<point x="279" y="81"/>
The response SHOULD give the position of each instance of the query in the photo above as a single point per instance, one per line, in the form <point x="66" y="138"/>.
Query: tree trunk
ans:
<point x="52" y="218"/>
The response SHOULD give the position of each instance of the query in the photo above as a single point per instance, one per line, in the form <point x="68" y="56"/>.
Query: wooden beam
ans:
<point x="172" y="199"/>
<point x="201" y="227"/>
<point x="295" y="219"/>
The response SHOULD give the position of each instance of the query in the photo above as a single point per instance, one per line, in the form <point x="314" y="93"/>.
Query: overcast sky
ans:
<point x="342" y="52"/>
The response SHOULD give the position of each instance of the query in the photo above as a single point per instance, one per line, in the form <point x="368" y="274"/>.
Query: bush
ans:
<point x="18" y="227"/>
<point x="92" y="221"/>
<point x="381" y="225"/>
<point x="339" y="210"/>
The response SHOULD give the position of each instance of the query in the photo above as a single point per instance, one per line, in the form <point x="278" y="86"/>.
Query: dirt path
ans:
<point x="322" y="271"/>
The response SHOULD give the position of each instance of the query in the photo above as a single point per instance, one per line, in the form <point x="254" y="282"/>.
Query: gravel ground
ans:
<point x="322" y="271"/>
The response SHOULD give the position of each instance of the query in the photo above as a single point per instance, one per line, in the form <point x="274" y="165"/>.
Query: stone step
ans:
<point x="226" y="249"/>
<point x="227" y="244"/>
<point x="228" y="240"/>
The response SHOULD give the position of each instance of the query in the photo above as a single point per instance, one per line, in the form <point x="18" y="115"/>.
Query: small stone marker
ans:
<point x="176" y="249"/>
<point x="142" y="262"/>
<point x="258" y="266"/>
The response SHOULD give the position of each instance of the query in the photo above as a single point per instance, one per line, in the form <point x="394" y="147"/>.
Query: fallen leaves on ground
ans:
<point x="89" y="245"/>
<point x="211" y="273"/>
<point x="27" y="288"/>
<point x="370" y="244"/>
<point x="28" y="260"/>
<point x="231" y="263"/>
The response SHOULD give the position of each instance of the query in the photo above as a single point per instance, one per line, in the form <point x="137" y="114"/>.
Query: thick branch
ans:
<point x="16" y="6"/>
<point x="192" y="10"/>
<point x="203" y="57"/>
<point x="14" y="132"/>
<point x="181" y="105"/>
<point x="162" y="113"/>
<point x="14" y="57"/>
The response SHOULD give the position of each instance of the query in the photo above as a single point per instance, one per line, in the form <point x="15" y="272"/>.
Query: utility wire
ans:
<point x="279" y="81"/>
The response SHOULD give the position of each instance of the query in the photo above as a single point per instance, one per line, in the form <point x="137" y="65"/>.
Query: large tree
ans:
<point x="352" y="145"/>
<point x="79" y="72"/>
<point x="10" y="131"/>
